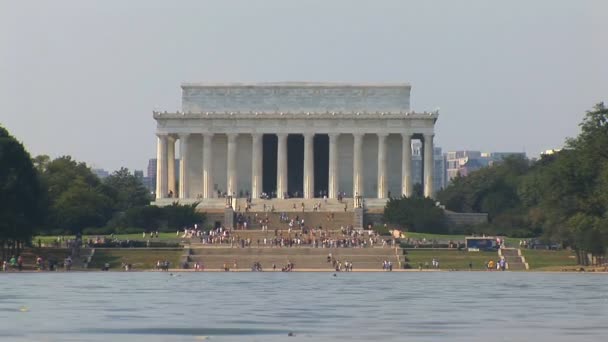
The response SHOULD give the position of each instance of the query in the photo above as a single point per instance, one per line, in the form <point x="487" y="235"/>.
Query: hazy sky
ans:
<point x="82" y="77"/>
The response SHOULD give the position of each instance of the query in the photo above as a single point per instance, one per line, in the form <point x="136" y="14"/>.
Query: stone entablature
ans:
<point x="320" y="123"/>
<point x="299" y="97"/>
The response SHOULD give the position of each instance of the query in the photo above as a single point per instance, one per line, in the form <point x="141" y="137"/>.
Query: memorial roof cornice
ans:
<point x="294" y="115"/>
<point x="293" y="84"/>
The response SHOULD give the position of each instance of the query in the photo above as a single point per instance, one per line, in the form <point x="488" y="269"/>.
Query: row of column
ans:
<point x="165" y="180"/>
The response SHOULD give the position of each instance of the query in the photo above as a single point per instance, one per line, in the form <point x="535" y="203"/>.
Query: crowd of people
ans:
<point x="297" y="236"/>
<point x="499" y="265"/>
<point x="339" y="266"/>
<point x="16" y="263"/>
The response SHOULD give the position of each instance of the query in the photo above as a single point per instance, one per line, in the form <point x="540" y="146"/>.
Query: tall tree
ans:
<point x="77" y="197"/>
<point x="21" y="195"/>
<point x="128" y="190"/>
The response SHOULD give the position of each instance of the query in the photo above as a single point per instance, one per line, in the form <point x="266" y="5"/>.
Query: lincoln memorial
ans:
<point x="288" y="140"/>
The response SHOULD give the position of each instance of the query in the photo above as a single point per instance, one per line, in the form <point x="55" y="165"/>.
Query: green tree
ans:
<point x="81" y="206"/>
<point x="128" y="191"/>
<point x="416" y="214"/>
<point x="21" y="194"/>
<point x="77" y="198"/>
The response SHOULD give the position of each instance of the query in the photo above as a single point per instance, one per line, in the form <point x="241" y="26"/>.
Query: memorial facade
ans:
<point x="292" y="140"/>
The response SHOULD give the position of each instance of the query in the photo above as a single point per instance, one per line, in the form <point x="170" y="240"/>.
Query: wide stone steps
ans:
<point x="513" y="259"/>
<point x="311" y="219"/>
<point x="302" y="263"/>
<point x="303" y="258"/>
<point x="303" y="251"/>
<point x="255" y="235"/>
<point x="295" y="204"/>
<point x="514" y="264"/>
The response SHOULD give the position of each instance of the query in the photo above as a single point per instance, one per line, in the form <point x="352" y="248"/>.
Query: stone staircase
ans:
<point x="515" y="262"/>
<point x="327" y="220"/>
<point x="295" y="204"/>
<point x="214" y="258"/>
<point x="258" y="234"/>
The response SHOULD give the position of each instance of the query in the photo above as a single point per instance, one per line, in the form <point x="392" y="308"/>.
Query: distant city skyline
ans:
<point x="82" y="79"/>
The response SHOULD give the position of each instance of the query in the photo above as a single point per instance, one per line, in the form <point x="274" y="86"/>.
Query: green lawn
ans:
<point x="450" y="259"/>
<point x="511" y="242"/>
<point x="164" y="237"/>
<point x="539" y="259"/>
<point x="139" y="258"/>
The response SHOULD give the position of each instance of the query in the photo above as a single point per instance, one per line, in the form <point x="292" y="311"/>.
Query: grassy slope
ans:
<point x="511" y="242"/>
<point x="165" y="237"/>
<point x="140" y="258"/>
<point x="539" y="259"/>
<point x="450" y="259"/>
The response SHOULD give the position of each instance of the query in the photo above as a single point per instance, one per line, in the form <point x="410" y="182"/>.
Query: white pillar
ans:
<point x="256" y="165"/>
<point x="183" y="166"/>
<point x="161" y="166"/>
<point x="231" y="166"/>
<point x="333" y="165"/>
<point x="382" y="189"/>
<point x="281" y="165"/>
<point x="207" y="160"/>
<point x="428" y="165"/>
<point x="357" y="165"/>
<point x="309" y="166"/>
<point x="406" y="165"/>
<point x="171" y="166"/>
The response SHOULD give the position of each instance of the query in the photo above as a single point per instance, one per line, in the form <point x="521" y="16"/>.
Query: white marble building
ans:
<point x="292" y="138"/>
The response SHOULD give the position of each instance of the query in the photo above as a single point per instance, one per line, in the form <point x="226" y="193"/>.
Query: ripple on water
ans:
<point x="417" y="306"/>
<point x="185" y="331"/>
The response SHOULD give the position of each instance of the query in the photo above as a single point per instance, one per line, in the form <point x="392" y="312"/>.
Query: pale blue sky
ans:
<point x="82" y="77"/>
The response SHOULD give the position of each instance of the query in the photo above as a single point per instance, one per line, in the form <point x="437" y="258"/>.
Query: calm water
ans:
<point x="450" y="306"/>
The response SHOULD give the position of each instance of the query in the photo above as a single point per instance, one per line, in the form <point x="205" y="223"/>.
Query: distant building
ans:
<point x="497" y="157"/>
<point x="464" y="162"/>
<point x="150" y="179"/>
<point x="101" y="173"/>
<point x="438" y="170"/>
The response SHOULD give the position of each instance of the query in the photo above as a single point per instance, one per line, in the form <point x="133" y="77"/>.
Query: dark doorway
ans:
<point x="269" y="163"/>
<point x="321" y="153"/>
<point x="295" y="165"/>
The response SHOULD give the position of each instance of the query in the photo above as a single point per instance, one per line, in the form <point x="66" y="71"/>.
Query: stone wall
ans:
<point x="465" y="219"/>
<point x="295" y="97"/>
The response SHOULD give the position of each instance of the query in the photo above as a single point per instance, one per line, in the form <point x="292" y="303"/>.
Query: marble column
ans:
<point x="382" y="188"/>
<point x="309" y="166"/>
<point x="428" y="165"/>
<point x="231" y="186"/>
<point x="333" y="165"/>
<point x="161" y="166"/>
<point x="183" y="165"/>
<point x="281" y="165"/>
<point x="257" y="154"/>
<point x="207" y="165"/>
<point x="171" y="166"/>
<point x="406" y="165"/>
<point x="357" y="165"/>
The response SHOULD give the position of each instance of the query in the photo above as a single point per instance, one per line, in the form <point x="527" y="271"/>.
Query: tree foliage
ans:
<point x="168" y="218"/>
<point x="128" y="190"/>
<point x="562" y="197"/>
<point x="77" y="198"/>
<point x="416" y="214"/>
<point x="21" y="194"/>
